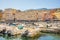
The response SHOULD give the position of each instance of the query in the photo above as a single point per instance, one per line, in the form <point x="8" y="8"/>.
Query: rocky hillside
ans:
<point x="32" y="14"/>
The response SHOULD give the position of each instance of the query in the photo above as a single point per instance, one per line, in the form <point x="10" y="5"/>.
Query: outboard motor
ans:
<point x="3" y="31"/>
<point x="9" y="33"/>
<point x="25" y="33"/>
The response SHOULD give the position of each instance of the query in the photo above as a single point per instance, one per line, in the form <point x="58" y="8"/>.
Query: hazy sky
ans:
<point x="29" y="4"/>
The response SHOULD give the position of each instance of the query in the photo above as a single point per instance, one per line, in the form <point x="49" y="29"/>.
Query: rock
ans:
<point x="41" y="25"/>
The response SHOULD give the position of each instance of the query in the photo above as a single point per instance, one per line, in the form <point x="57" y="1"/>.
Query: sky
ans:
<point x="29" y="4"/>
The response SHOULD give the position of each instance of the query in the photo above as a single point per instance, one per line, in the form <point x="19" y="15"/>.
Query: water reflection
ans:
<point x="43" y="37"/>
<point x="5" y="37"/>
<point x="50" y="37"/>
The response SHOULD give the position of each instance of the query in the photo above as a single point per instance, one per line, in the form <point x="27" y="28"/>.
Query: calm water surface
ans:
<point x="43" y="37"/>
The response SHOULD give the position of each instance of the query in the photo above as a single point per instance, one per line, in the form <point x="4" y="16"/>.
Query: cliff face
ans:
<point x="1" y="14"/>
<point x="57" y="15"/>
<point x="9" y="14"/>
<point x="42" y="14"/>
<point x="26" y="16"/>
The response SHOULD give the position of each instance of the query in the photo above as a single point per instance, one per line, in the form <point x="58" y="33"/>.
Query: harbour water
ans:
<point x="43" y="37"/>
